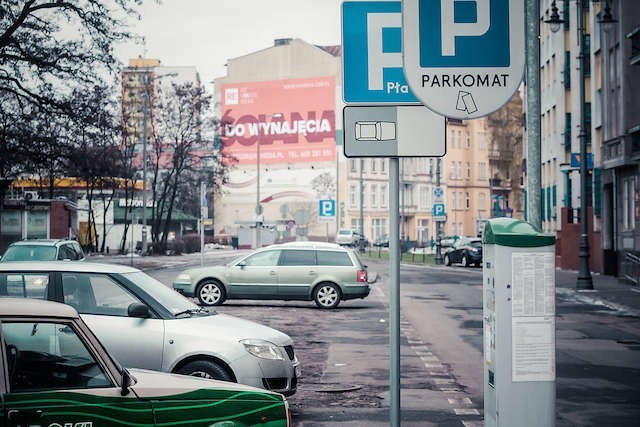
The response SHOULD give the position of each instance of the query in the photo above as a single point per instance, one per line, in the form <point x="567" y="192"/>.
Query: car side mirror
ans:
<point x="126" y="382"/>
<point x="137" y="309"/>
<point x="242" y="264"/>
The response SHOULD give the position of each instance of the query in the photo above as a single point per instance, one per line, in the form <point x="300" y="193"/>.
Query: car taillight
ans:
<point x="362" y="276"/>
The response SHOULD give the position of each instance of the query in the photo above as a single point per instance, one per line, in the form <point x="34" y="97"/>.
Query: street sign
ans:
<point x="438" y="195"/>
<point x="463" y="58"/>
<point x="326" y="210"/>
<point x="393" y="131"/>
<point x="575" y="160"/>
<point x="438" y="210"/>
<point x="372" y="54"/>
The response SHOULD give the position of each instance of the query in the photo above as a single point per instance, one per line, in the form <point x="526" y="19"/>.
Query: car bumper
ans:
<point x="355" y="291"/>
<point x="185" y="288"/>
<point x="280" y="376"/>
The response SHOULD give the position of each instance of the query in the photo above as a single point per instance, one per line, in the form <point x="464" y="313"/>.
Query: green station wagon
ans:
<point x="54" y="372"/>
<point x="323" y="272"/>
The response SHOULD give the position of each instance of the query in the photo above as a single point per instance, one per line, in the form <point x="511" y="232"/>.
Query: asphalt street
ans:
<point x="345" y="352"/>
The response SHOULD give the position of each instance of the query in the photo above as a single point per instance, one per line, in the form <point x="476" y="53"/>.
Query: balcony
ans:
<point x="498" y="184"/>
<point x="623" y="151"/>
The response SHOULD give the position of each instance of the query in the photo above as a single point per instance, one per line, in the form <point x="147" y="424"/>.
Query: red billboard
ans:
<point x="293" y="119"/>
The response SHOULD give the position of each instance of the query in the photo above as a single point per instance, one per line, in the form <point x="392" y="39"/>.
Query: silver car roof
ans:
<point x="77" y="267"/>
<point x="28" y="307"/>
<point x="308" y="245"/>
<point x="39" y="242"/>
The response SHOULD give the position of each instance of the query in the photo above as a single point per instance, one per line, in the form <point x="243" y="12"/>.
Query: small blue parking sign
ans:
<point x="327" y="209"/>
<point x="438" y="210"/>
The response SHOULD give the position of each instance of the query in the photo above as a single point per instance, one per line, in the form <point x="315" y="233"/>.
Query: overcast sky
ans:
<point x="205" y="33"/>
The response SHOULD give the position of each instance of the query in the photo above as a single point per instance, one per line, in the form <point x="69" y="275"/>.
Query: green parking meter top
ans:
<point x="515" y="233"/>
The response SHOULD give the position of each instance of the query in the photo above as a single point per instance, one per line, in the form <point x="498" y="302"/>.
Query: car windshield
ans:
<point x="30" y="253"/>
<point x="345" y="232"/>
<point x="167" y="297"/>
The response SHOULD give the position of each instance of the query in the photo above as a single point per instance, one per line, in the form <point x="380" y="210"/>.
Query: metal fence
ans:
<point x="631" y="268"/>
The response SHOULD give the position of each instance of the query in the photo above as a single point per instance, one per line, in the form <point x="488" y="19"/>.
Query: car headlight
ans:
<point x="262" y="349"/>
<point x="184" y="277"/>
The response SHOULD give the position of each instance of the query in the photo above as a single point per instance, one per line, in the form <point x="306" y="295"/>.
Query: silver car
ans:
<point x="323" y="272"/>
<point x="145" y="324"/>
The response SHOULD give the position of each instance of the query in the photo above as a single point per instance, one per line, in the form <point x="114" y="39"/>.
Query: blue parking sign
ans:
<point x="438" y="210"/>
<point x="463" y="58"/>
<point x="464" y="33"/>
<point x="372" y="53"/>
<point x="327" y="208"/>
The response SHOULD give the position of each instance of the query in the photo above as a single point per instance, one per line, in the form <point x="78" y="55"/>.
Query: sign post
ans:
<point x="463" y="59"/>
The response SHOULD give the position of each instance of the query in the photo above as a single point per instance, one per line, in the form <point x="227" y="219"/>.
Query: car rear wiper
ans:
<point x="191" y="311"/>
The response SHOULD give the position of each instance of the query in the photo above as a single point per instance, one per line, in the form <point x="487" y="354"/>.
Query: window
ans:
<point x="66" y="251"/>
<point x="453" y="200"/>
<point x="628" y="203"/>
<point x="353" y="195"/>
<point x="374" y="195"/>
<point x="333" y="258"/>
<point x="383" y="165"/>
<point x="482" y="201"/>
<point x="424" y="196"/>
<point x="467" y="200"/>
<point x="49" y="356"/>
<point x="379" y="228"/>
<point x="352" y="165"/>
<point x="452" y="172"/>
<point x="482" y="173"/>
<point x="37" y="224"/>
<point x="262" y="259"/>
<point x="96" y="294"/>
<point x="373" y="165"/>
<point x="459" y="171"/>
<point x="29" y="285"/>
<point x="297" y="257"/>
<point x="383" y="195"/>
<point x="468" y="140"/>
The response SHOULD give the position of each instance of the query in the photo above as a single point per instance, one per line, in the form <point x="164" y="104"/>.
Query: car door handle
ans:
<point x="273" y="273"/>
<point x="312" y="273"/>
<point x="21" y="417"/>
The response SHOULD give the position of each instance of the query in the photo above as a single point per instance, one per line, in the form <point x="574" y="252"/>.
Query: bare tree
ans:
<point x="505" y="148"/>
<point x="176" y="141"/>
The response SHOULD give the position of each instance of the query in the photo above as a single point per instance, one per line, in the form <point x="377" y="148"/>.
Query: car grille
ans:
<point x="274" y="383"/>
<point x="289" y="350"/>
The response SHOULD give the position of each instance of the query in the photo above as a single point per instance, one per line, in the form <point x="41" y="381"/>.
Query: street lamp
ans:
<point x="258" y="205"/>
<point x="584" y="280"/>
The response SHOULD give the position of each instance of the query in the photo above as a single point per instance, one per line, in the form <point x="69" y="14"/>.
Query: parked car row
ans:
<point x="55" y="347"/>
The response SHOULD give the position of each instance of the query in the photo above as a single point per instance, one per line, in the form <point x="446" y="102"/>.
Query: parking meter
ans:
<point x="518" y="277"/>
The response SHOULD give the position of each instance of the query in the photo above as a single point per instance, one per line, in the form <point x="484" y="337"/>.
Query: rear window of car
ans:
<point x="29" y="253"/>
<point x="298" y="257"/>
<point x="333" y="258"/>
<point x="345" y="232"/>
<point x="26" y="285"/>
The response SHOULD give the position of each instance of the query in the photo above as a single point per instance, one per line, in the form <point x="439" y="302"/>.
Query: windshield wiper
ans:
<point x="191" y="311"/>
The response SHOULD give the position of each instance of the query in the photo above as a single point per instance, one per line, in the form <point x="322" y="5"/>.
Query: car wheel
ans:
<point x="327" y="295"/>
<point x="205" y="369"/>
<point x="465" y="261"/>
<point x="210" y="293"/>
<point x="447" y="260"/>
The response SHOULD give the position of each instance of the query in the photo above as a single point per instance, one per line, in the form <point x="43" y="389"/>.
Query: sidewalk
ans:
<point x="609" y="292"/>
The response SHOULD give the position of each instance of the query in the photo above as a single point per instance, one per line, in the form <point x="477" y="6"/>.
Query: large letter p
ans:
<point x="450" y="29"/>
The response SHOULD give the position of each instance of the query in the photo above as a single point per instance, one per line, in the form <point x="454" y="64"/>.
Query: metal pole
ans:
<point x="203" y="207"/>
<point x="361" y="243"/>
<point x="394" y="293"/>
<point x="584" y="280"/>
<point x="258" y="207"/>
<point x="145" y="136"/>
<point x="438" y="258"/>
<point x="534" y="177"/>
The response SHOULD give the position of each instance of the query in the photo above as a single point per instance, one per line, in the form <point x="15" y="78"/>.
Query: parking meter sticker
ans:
<point x="469" y="33"/>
